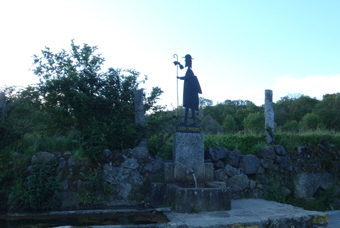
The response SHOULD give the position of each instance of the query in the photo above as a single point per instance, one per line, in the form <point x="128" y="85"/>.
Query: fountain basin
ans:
<point x="186" y="200"/>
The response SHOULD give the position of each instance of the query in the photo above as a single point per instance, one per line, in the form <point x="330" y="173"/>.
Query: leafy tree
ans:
<point x="293" y="108"/>
<point x="209" y="125"/>
<point x="78" y="95"/>
<point x="229" y="124"/>
<point x="329" y="111"/>
<point x="311" y="121"/>
<point x="290" y="126"/>
<point x="254" y="122"/>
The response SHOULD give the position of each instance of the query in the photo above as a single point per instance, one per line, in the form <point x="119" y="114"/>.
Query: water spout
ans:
<point x="193" y="174"/>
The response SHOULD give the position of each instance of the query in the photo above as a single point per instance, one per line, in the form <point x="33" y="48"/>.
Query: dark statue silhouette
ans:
<point x="191" y="90"/>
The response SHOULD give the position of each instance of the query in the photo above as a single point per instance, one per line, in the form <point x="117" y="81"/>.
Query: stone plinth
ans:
<point x="202" y="199"/>
<point x="188" y="154"/>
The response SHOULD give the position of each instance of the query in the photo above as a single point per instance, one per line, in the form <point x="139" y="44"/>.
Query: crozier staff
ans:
<point x="191" y="90"/>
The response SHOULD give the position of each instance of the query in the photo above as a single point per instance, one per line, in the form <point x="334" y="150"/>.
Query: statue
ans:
<point x="191" y="90"/>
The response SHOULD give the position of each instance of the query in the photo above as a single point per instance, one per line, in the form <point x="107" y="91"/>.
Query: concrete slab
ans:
<point x="252" y="213"/>
<point x="334" y="219"/>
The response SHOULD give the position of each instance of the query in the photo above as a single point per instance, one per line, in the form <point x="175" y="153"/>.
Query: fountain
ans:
<point x="189" y="184"/>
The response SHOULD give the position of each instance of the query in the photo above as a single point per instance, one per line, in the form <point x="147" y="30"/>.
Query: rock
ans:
<point x="42" y="158"/>
<point x="252" y="184"/>
<point x="285" y="191"/>
<point x="141" y="154"/>
<point x="238" y="183"/>
<point x="220" y="175"/>
<point x="249" y="164"/>
<point x="232" y="171"/>
<point x="67" y="153"/>
<point x="219" y="164"/>
<point x="61" y="163"/>
<point x="307" y="184"/>
<point x="280" y="150"/>
<point x="106" y="156"/>
<point x="267" y="163"/>
<point x="218" y="153"/>
<point x="72" y="161"/>
<point x="233" y="158"/>
<point x="286" y="163"/>
<point x="303" y="151"/>
<point x="267" y="152"/>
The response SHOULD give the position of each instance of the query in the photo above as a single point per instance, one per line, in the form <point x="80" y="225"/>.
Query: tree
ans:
<point x="329" y="111"/>
<point x="311" y="121"/>
<point x="229" y="124"/>
<point x="293" y="108"/>
<point x="78" y="95"/>
<point x="254" y="122"/>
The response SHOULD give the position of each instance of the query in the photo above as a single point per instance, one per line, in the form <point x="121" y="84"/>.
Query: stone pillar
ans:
<point x="139" y="108"/>
<point x="269" y="115"/>
<point x="3" y="106"/>
<point x="188" y="154"/>
<point x="139" y="113"/>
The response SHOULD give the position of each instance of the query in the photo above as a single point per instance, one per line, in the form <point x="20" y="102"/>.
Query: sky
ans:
<point x="240" y="48"/>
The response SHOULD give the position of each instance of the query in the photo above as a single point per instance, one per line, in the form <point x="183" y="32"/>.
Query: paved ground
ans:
<point x="334" y="219"/>
<point x="254" y="213"/>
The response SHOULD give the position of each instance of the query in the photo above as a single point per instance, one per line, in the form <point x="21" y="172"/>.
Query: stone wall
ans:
<point x="272" y="172"/>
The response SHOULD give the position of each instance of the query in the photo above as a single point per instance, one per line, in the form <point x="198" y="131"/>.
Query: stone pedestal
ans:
<point x="188" y="154"/>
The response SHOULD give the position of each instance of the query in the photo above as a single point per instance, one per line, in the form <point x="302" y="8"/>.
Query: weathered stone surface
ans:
<point x="219" y="164"/>
<point x="61" y="163"/>
<point x="220" y="175"/>
<point x="158" y="194"/>
<point x="141" y="154"/>
<point x="238" y="183"/>
<point x="209" y="172"/>
<point x="202" y="199"/>
<point x="231" y="171"/>
<point x="72" y="161"/>
<point x="267" y="152"/>
<point x="267" y="163"/>
<point x="286" y="163"/>
<point x="233" y="158"/>
<point x="218" y="153"/>
<point x="249" y="164"/>
<point x="42" y="158"/>
<point x="280" y="150"/>
<point x="188" y="154"/>
<point x="307" y="184"/>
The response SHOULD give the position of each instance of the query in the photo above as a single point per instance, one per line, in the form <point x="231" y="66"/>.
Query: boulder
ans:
<point x="307" y="184"/>
<point x="249" y="164"/>
<point x="267" y="152"/>
<point x="280" y="150"/>
<point x="233" y="158"/>
<point x="42" y="158"/>
<point x="141" y="154"/>
<point x="238" y="183"/>
<point x="218" y="153"/>
<point x="232" y="171"/>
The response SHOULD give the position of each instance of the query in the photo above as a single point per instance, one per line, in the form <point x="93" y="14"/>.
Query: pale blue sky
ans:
<point x="240" y="48"/>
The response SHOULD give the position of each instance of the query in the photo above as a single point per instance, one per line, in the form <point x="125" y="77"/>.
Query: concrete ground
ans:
<point x="334" y="219"/>
<point x="253" y="213"/>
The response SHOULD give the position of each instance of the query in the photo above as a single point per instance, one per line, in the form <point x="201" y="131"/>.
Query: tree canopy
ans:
<point x="75" y="94"/>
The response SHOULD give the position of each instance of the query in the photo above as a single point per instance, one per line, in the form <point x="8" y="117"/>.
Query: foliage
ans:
<point x="229" y="125"/>
<point x="38" y="191"/>
<point x="329" y="111"/>
<point x="254" y="122"/>
<point x="74" y="95"/>
<point x="93" y="190"/>
<point x="290" y="127"/>
<point x="209" y="125"/>
<point x="311" y="121"/>
<point x="293" y="108"/>
<point x="247" y="144"/>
